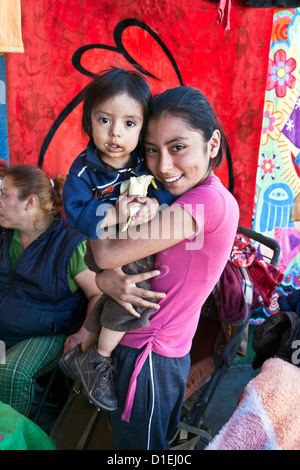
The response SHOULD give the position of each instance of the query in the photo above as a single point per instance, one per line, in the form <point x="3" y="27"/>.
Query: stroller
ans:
<point x="215" y="346"/>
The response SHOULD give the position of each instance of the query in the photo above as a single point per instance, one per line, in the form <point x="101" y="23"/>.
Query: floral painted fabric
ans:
<point x="278" y="171"/>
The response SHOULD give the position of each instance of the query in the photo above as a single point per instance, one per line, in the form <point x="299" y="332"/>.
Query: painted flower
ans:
<point x="267" y="166"/>
<point x="271" y="121"/>
<point x="280" y="73"/>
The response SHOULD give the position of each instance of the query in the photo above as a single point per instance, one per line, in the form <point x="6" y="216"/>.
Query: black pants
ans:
<point x="157" y="403"/>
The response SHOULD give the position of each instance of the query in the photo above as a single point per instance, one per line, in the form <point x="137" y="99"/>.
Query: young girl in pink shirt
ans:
<point x="192" y="240"/>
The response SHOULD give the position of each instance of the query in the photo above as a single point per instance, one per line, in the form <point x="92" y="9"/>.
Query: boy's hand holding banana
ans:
<point x="137" y="186"/>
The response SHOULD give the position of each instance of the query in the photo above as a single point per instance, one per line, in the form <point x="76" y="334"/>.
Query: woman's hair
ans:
<point x="57" y="185"/>
<point x="112" y="82"/>
<point x="29" y="179"/>
<point x="190" y="105"/>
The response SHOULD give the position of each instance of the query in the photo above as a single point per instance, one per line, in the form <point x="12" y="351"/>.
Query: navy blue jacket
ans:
<point x="35" y="297"/>
<point x="90" y="187"/>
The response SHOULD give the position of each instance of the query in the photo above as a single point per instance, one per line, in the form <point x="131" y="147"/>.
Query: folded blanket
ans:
<point x="268" y="415"/>
<point x="10" y="27"/>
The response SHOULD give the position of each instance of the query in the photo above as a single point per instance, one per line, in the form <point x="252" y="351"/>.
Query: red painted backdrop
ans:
<point x="175" y="42"/>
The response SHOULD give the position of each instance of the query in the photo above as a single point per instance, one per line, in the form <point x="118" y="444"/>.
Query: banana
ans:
<point x="136" y="186"/>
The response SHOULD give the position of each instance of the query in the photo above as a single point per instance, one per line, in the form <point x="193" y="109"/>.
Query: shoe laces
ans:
<point x="105" y="368"/>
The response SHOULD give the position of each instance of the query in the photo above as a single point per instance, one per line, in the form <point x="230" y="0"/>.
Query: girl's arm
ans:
<point x="169" y="227"/>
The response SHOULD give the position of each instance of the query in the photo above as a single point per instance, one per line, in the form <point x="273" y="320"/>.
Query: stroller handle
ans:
<point x="267" y="241"/>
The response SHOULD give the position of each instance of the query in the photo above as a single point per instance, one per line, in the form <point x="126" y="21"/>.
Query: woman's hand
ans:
<point x="72" y="341"/>
<point x="122" y="288"/>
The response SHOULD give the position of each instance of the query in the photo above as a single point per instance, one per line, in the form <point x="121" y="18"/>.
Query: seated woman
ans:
<point x="45" y="286"/>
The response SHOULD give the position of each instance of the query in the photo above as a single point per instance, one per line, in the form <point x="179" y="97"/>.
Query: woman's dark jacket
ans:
<point x="35" y="297"/>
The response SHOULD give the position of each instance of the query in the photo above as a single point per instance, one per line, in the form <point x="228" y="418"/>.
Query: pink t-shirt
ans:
<point x="189" y="271"/>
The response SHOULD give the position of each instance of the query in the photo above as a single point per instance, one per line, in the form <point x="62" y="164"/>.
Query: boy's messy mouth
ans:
<point x="114" y="147"/>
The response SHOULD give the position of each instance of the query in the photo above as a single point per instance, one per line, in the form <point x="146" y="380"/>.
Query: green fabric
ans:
<point x="76" y="265"/>
<point x="25" y="361"/>
<point x="19" y="433"/>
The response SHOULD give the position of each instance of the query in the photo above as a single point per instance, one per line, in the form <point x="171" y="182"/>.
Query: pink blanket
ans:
<point x="268" y="415"/>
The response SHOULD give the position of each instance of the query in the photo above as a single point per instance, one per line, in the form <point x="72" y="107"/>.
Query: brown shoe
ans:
<point x="67" y="363"/>
<point x="95" y="374"/>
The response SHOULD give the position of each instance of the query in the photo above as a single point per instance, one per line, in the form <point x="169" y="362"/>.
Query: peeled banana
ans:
<point x="136" y="186"/>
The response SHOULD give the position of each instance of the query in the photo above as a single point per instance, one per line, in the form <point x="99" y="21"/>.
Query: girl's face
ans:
<point x="177" y="155"/>
<point x="12" y="210"/>
<point x="116" y="127"/>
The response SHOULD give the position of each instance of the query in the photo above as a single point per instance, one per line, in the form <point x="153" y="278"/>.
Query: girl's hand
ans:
<point x="121" y="287"/>
<point x="148" y="210"/>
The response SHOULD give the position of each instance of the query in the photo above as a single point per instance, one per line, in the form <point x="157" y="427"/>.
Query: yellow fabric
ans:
<point x="10" y="26"/>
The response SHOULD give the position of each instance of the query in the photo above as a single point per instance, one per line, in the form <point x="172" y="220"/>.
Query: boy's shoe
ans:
<point x="95" y="374"/>
<point x="67" y="363"/>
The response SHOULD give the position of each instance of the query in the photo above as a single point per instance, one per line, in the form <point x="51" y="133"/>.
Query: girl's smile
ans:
<point x="177" y="155"/>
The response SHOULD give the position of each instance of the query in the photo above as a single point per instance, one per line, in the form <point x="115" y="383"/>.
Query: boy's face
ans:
<point x="116" y="127"/>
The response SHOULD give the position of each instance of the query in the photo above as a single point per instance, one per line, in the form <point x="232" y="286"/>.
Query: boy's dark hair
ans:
<point x="112" y="82"/>
<point x="192" y="106"/>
